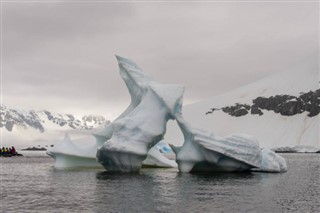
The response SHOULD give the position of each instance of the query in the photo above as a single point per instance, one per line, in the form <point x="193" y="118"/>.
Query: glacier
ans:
<point x="143" y="124"/>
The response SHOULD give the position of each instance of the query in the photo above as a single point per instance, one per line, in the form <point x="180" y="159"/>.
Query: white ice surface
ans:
<point x="68" y="154"/>
<point x="125" y="143"/>
<point x="143" y="124"/>
<point x="272" y="162"/>
<point x="306" y="149"/>
<point x="202" y="151"/>
<point x="156" y="159"/>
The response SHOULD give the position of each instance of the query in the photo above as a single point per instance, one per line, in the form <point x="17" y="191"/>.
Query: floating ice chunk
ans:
<point x="68" y="155"/>
<point x="306" y="149"/>
<point x="271" y="162"/>
<point x="156" y="159"/>
<point x="202" y="151"/>
<point x="143" y="124"/>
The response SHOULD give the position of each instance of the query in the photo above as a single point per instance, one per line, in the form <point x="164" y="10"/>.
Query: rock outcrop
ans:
<point x="286" y="105"/>
<point x="39" y="119"/>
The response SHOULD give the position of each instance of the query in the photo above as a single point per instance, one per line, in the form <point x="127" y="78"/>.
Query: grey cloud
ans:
<point x="65" y="51"/>
<point x="34" y="25"/>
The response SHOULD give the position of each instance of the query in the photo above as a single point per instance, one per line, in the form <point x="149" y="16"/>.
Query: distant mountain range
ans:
<point x="286" y="105"/>
<point x="23" y="128"/>
<point x="40" y="120"/>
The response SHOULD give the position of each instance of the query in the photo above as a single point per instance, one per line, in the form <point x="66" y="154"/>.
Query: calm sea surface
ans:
<point x="31" y="184"/>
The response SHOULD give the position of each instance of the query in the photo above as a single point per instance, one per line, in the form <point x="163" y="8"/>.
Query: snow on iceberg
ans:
<point x="143" y="124"/>
<point x="202" y="151"/>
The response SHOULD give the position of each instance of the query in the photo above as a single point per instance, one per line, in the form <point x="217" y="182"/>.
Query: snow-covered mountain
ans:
<point x="27" y="127"/>
<point x="280" y="110"/>
<point x="287" y="105"/>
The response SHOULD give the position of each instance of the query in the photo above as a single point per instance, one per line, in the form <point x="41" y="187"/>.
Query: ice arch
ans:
<point x="143" y="124"/>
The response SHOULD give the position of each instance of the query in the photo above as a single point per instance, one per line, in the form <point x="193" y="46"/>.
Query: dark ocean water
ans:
<point x="31" y="184"/>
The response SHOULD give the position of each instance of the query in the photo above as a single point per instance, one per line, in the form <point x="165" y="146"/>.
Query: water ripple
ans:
<point x="33" y="185"/>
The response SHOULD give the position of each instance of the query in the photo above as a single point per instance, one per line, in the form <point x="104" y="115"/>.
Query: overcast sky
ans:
<point x="60" y="55"/>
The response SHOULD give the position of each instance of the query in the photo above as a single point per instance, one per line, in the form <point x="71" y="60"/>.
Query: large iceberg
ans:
<point x="202" y="151"/>
<point x="140" y="85"/>
<point x="143" y="124"/>
<point x="130" y="141"/>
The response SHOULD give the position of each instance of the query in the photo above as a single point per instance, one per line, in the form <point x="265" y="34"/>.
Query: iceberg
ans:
<point x="271" y="162"/>
<point x="134" y="139"/>
<point x="68" y="155"/>
<point x="143" y="124"/>
<point x="156" y="159"/>
<point x="151" y="102"/>
<point x="202" y="151"/>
